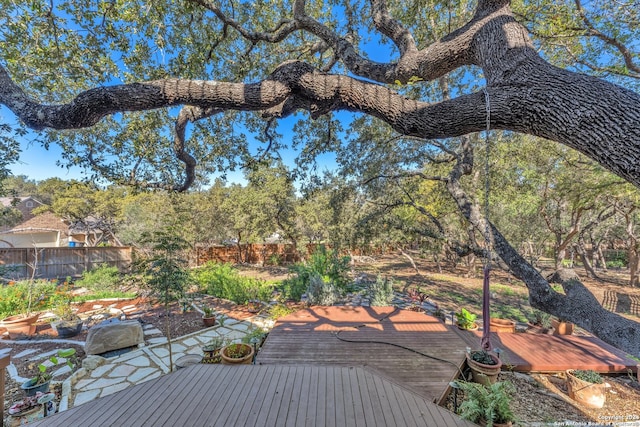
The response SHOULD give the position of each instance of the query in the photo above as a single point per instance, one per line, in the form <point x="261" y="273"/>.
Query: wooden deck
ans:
<point x="556" y="353"/>
<point x="310" y="337"/>
<point x="218" y="395"/>
<point x="328" y="366"/>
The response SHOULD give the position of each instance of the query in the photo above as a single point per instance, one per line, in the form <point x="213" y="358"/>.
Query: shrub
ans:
<point x="325" y="263"/>
<point x="223" y="281"/>
<point x="277" y="311"/>
<point x="14" y="297"/>
<point x="321" y="292"/>
<point x="101" y="278"/>
<point x="488" y="403"/>
<point x="296" y="285"/>
<point x="589" y="376"/>
<point x="381" y="291"/>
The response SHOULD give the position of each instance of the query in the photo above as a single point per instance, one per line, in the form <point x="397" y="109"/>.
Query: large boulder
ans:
<point x="113" y="336"/>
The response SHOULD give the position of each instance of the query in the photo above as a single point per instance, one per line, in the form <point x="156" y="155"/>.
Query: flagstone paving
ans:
<point x="101" y="376"/>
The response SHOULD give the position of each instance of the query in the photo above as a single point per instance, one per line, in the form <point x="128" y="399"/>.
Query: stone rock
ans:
<point x="92" y="362"/>
<point x="113" y="336"/>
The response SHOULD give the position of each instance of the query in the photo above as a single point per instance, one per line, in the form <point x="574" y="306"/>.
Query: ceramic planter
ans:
<point x="483" y="373"/>
<point x="20" y="325"/>
<point x="67" y="328"/>
<point x="589" y="394"/>
<point x="30" y="389"/>
<point x="237" y="354"/>
<point x="502" y="325"/>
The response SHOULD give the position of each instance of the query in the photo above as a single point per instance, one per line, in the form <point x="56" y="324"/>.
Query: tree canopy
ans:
<point x="106" y="80"/>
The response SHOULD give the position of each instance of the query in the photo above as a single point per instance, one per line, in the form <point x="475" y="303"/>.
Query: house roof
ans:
<point x="9" y="201"/>
<point x="44" y="222"/>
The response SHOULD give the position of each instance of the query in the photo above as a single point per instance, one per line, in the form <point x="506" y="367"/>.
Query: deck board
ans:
<point x="313" y="337"/>
<point x="218" y="395"/>
<point x="556" y="353"/>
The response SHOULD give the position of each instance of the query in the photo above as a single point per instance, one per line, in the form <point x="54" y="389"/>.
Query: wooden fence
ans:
<point x="264" y="254"/>
<point x="51" y="263"/>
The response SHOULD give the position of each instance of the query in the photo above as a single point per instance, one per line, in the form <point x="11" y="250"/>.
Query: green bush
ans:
<point x="223" y="281"/>
<point x="14" y="297"/>
<point x="616" y="264"/>
<point x="490" y="404"/>
<point x="277" y="311"/>
<point x="321" y="292"/>
<point x="380" y="292"/>
<point x="325" y="263"/>
<point x="101" y="278"/>
<point x="589" y="376"/>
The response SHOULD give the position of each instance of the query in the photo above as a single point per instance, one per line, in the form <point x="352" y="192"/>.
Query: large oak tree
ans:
<point x="61" y="64"/>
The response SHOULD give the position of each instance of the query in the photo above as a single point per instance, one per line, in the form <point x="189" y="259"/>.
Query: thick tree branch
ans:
<point x="562" y="106"/>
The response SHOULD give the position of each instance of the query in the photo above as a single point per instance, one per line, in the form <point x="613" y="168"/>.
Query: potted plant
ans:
<point x="237" y="354"/>
<point x="25" y="323"/>
<point x="255" y="337"/>
<point x="212" y="349"/>
<point x="562" y="326"/>
<point x="418" y="298"/>
<point x="487" y="405"/>
<point x="485" y="366"/>
<point x="208" y="316"/>
<point x="539" y="322"/>
<point x="254" y="306"/>
<point x="586" y="387"/>
<point x="40" y="383"/>
<point x="466" y="320"/>
<point x="68" y="323"/>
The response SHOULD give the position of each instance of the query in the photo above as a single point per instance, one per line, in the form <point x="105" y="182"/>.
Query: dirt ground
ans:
<point x="540" y="399"/>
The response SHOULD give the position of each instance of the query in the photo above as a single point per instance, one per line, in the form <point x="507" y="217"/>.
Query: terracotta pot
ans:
<point x="209" y="321"/>
<point x="502" y="325"/>
<point x="245" y="357"/>
<point x="20" y="325"/>
<point x="562" y="328"/>
<point x="589" y="394"/>
<point x="482" y="373"/>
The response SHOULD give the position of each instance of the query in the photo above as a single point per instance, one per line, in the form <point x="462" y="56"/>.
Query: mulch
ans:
<point x="180" y="323"/>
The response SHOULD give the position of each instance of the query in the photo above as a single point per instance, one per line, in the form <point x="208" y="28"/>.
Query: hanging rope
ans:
<point x="486" y="313"/>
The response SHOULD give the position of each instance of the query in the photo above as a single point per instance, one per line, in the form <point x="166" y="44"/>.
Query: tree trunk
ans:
<point x="577" y="304"/>
<point x="584" y="258"/>
<point x="634" y="267"/>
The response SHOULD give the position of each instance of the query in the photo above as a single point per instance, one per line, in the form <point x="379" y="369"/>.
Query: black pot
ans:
<point x="67" y="329"/>
<point x="31" y="390"/>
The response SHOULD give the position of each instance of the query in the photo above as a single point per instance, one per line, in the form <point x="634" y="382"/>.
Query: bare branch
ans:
<point x="612" y="41"/>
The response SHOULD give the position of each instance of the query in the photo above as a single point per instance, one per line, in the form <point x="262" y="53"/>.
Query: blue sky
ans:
<point x="38" y="163"/>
